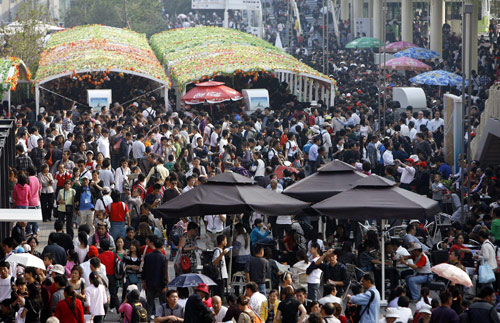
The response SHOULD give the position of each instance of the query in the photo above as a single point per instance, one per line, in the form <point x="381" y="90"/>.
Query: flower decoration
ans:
<point x="95" y="48"/>
<point x="201" y="53"/>
<point x="10" y="70"/>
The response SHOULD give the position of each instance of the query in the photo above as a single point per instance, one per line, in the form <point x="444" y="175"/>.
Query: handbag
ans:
<point x="486" y="274"/>
<point x="185" y="264"/>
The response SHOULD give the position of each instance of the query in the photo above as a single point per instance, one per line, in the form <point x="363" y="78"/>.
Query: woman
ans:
<point x="47" y="194"/>
<point x="31" y="277"/>
<point x="459" y="245"/>
<point x="120" y="251"/>
<point x="313" y="276"/>
<point x="82" y="246"/>
<point x="247" y="315"/>
<point x="66" y="202"/>
<point x="270" y="307"/>
<point x="132" y="263"/>
<point x="32" y="305"/>
<point x="121" y="180"/>
<point x="77" y="282"/>
<point x="241" y="245"/>
<point x="96" y="297"/>
<point x="365" y="128"/>
<point x="70" y="309"/>
<point x="21" y="194"/>
<point x="33" y="243"/>
<point x="118" y="213"/>
<point x="286" y="280"/>
<point x="126" y="307"/>
<point x="424" y="298"/>
<point x="144" y="232"/>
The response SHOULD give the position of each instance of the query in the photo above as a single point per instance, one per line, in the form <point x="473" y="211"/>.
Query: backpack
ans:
<point x="139" y="314"/>
<point x="306" y="147"/>
<point x="154" y="177"/>
<point x="208" y="268"/>
<point x="119" y="268"/>
<point x="116" y="146"/>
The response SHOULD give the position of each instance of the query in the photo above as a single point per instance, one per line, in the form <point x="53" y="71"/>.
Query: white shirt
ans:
<point x="99" y="206"/>
<point x="413" y="133"/>
<point x="407" y="174"/>
<point x="138" y="149"/>
<point x="356" y="118"/>
<point x="256" y="302"/>
<point x="434" y="124"/>
<point x="259" y="169"/>
<point x="405" y="314"/>
<point x="86" y="271"/>
<point x="214" y="223"/>
<point x="315" y="276"/>
<point x="33" y="141"/>
<point x="120" y="175"/>
<point x="213" y="139"/>
<point x="103" y="146"/>
<point x="420" y="122"/>
<point x="221" y="264"/>
<point x="221" y="314"/>
<point x="5" y="288"/>
<point x="411" y="119"/>
<point x="405" y="131"/>
<point x="388" y="158"/>
<point x="330" y="299"/>
<point x="149" y="112"/>
<point x="96" y="298"/>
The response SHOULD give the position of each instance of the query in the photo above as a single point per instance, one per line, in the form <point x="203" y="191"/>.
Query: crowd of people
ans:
<point x="99" y="176"/>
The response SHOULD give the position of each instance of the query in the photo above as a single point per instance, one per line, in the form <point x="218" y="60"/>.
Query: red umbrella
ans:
<point x="280" y="169"/>
<point x="211" y="92"/>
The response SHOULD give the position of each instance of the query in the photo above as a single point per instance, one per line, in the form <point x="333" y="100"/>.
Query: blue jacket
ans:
<point x="256" y="235"/>
<point x="372" y="313"/>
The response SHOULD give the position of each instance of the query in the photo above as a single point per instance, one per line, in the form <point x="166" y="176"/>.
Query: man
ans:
<point x="138" y="147"/>
<point x="93" y="265"/>
<point x="421" y="121"/>
<point x="103" y="143"/>
<point x="219" y="261"/>
<point x="422" y="147"/>
<point x="219" y="310"/>
<point x="159" y="170"/>
<point x="289" y="308"/>
<point x="171" y="311"/>
<point x="214" y="225"/>
<point x="84" y="202"/>
<point x="65" y="161"/>
<point x="387" y="156"/>
<point x="435" y="123"/>
<point x="484" y="309"/>
<point x="38" y="154"/>
<point x="100" y="235"/>
<point x="233" y="310"/>
<point x="58" y="251"/>
<point x="155" y="275"/>
<point x="334" y="273"/>
<point x="23" y="161"/>
<point x="102" y="203"/>
<point x="63" y="239"/>
<point x="327" y="311"/>
<point x="313" y="153"/>
<point x="422" y="267"/>
<point x="369" y="300"/>
<point x="256" y="298"/>
<point x="257" y="268"/>
<point x="330" y="296"/>
<point x="444" y="313"/>
<point x="410" y="237"/>
<point x="407" y="172"/>
<point x="196" y="311"/>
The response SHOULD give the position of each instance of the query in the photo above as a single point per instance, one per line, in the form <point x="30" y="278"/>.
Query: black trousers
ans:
<point x="151" y="294"/>
<point x="47" y="205"/>
<point x="68" y="217"/>
<point x="113" y="292"/>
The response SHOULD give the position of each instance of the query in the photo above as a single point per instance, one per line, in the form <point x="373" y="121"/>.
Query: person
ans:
<point x="54" y="249"/>
<point x="246" y="314"/>
<point x="334" y="272"/>
<point x="422" y="266"/>
<point x="241" y="247"/>
<point x="214" y="225"/>
<point x="391" y="316"/>
<point x="483" y="310"/>
<point x="327" y="313"/>
<point x="66" y="202"/>
<point x="32" y="305"/>
<point x="290" y="309"/>
<point x="171" y="311"/>
<point x="233" y="311"/>
<point x="70" y="309"/>
<point x="218" y="308"/>
<point x="95" y="298"/>
<point x="444" y="314"/>
<point x="77" y="282"/>
<point x="195" y="310"/>
<point x="47" y="192"/>
<point x="257" y="268"/>
<point x="188" y="243"/>
<point x="330" y="295"/>
<point x="313" y="273"/>
<point x="257" y="298"/>
<point x="155" y="275"/>
<point x="369" y="300"/>
<point x="404" y="312"/>
<point x="487" y="253"/>
<point x="256" y="236"/>
<point x="22" y="193"/>
<point x="270" y="307"/>
<point x="85" y="202"/>
<point x="119" y="217"/>
<point x="5" y="281"/>
<point x="219" y="261"/>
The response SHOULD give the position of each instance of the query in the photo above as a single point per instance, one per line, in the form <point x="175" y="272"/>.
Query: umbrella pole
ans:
<point x="230" y="274"/>
<point x="383" y="258"/>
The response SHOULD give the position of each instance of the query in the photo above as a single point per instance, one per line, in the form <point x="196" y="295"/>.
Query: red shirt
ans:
<point x="108" y="259"/>
<point x="61" y="178"/>
<point x="116" y="211"/>
<point x="67" y="315"/>
<point x="150" y="250"/>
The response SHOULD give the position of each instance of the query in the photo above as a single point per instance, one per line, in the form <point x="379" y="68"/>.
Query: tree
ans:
<point x="26" y="40"/>
<point x="142" y="16"/>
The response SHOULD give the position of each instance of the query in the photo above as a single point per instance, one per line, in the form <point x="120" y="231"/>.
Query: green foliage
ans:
<point x="26" y="40"/>
<point x="143" y="16"/>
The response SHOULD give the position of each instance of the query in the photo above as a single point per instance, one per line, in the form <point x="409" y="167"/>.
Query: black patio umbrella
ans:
<point x="230" y="193"/>
<point x="375" y="197"/>
<point x="331" y="179"/>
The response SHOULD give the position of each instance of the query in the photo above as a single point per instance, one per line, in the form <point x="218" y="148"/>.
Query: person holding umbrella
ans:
<point x="196" y="311"/>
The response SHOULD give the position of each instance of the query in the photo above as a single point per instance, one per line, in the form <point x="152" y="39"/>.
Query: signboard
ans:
<point x="363" y="26"/>
<point x="99" y="99"/>
<point x="453" y="136"/>
<point x="231" y="4"/>
<point x="207" y="4"/>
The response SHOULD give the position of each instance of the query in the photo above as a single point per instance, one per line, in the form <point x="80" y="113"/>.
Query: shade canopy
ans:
<point x="211" y="92"/>
<point x="375" y="197"/>
<point x="405" y="64"/>
<point x="398" y="46"/>
<point x="230" y="193"/>
<point x="331" y="179"/>
<point x="364" y="42"/>
<point x="418" y="53"/>
<point x="438" y="77"/>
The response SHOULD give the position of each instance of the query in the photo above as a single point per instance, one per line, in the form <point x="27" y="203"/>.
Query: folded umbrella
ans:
<point x="452" y="273"/>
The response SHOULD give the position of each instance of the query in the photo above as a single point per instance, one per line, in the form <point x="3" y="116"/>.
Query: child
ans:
<point x="48" y="261"/>
<point x="18" y="303"/>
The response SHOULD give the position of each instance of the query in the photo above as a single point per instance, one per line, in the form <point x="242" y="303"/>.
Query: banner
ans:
<point x="453" y="136"/>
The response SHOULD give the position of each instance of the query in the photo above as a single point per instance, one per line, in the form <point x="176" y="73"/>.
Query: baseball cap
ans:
<point x="422" y="163"/>
<point x="93" y="252"/>
<point x="410" y="160"/>
<point x="58" y="269"/>
<point x="415" y="246"/>
<point x="203" y="288"/>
